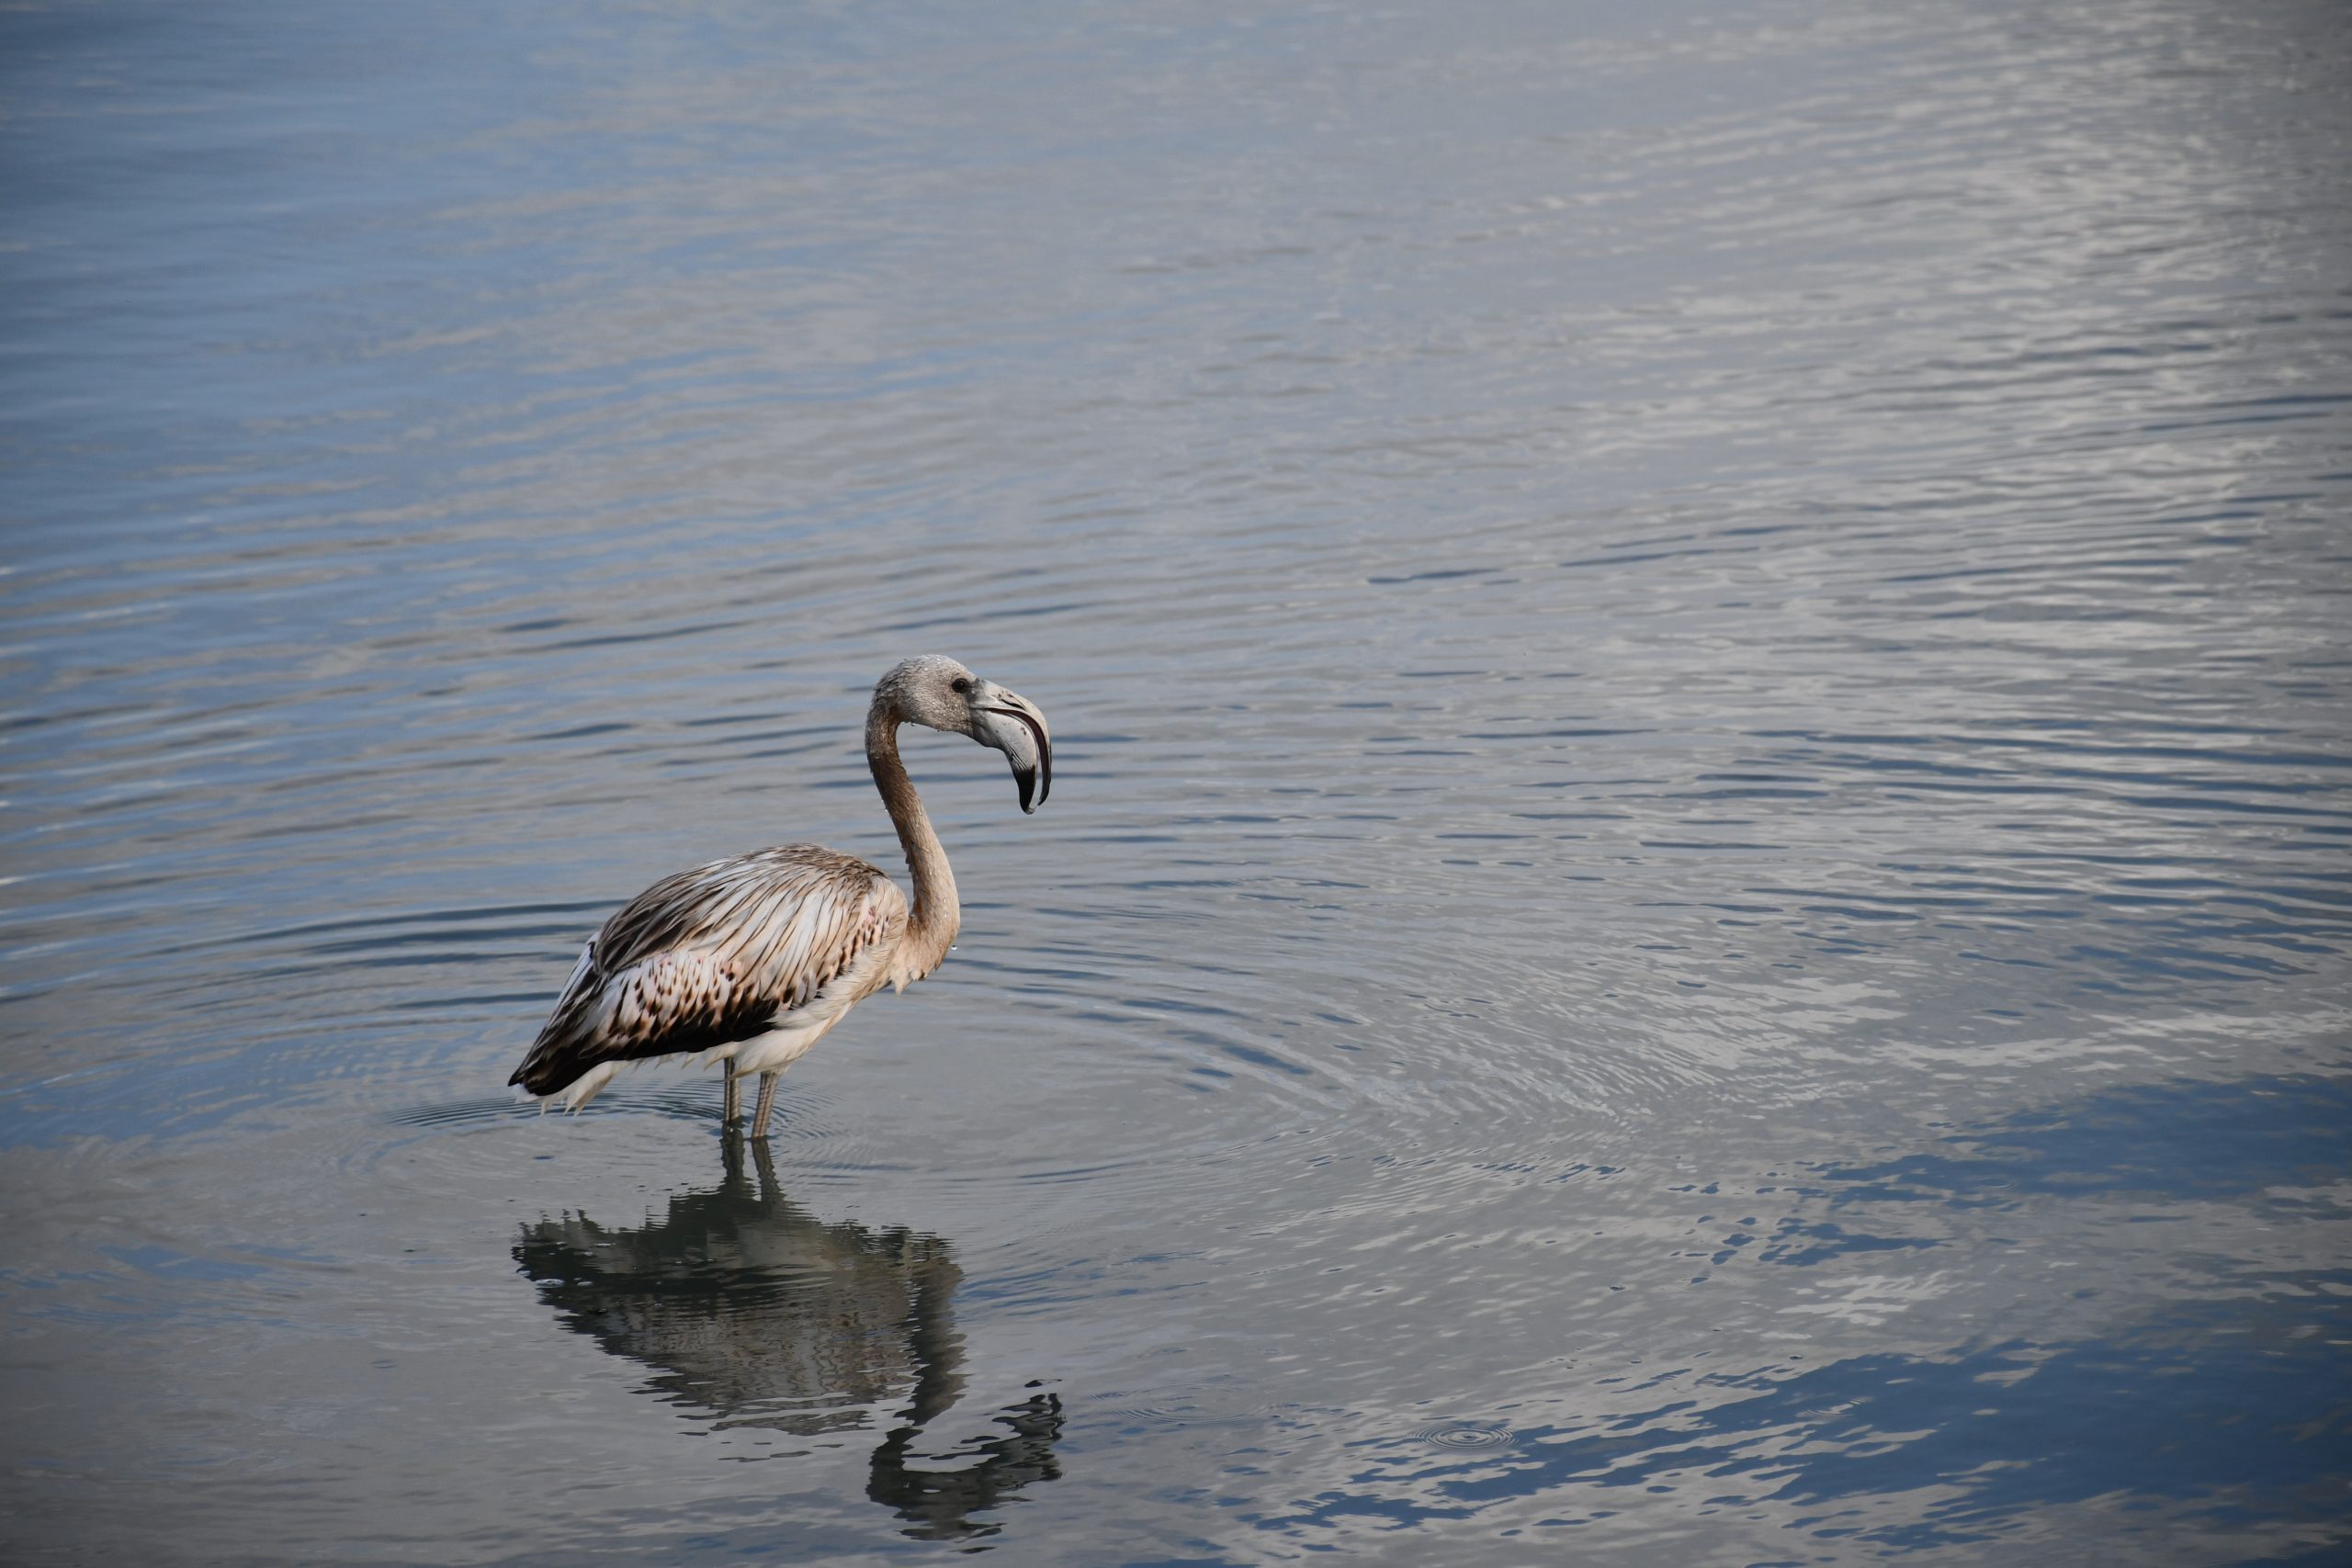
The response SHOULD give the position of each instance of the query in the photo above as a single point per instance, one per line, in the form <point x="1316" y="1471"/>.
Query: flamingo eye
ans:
<point x="960" y="684"/>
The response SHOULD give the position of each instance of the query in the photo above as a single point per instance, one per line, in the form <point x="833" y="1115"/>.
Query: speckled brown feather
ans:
<point x="714" y="955"/>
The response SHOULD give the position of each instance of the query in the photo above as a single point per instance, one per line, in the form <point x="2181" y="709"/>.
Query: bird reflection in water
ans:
<point x="754" y="1310"/>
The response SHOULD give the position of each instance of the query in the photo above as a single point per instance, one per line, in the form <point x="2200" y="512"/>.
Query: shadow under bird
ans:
<point x="750" y="961"/>
<point x="750" y="1308"/>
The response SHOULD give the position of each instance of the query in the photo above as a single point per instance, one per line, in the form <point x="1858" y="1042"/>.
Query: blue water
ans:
<point x="1694" y="909"/>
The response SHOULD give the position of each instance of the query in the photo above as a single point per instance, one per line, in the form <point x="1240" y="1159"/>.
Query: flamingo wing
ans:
<point x="712" y="956"/>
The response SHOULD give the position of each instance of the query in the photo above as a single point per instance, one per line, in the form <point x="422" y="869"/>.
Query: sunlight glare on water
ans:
<point x="1691" y="910"/>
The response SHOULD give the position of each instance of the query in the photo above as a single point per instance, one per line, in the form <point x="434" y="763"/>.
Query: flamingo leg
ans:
<point x="767" y="1104"/>
<point x="731" y="1108"/>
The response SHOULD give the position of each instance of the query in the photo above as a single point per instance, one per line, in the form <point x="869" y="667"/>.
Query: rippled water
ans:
<point x="1694" y="910"/>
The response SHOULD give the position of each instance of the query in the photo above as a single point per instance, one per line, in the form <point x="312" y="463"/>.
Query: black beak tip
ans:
<point x="1027" y="780"/>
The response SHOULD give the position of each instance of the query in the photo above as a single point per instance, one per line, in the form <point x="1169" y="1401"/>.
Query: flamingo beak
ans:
<point x="1013" y="724"/>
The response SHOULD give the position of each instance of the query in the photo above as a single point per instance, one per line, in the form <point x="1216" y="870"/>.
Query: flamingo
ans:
<point x="750" y="961"/>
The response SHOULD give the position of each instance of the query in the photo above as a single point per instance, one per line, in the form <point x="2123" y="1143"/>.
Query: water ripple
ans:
<point x="1689" y="911"/>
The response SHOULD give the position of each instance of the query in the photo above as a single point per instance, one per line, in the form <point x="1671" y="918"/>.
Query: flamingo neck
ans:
<point x="931" y="926"/>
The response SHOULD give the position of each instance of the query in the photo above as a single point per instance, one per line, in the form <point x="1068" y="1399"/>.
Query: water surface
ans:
<point x="1694" y="911"/>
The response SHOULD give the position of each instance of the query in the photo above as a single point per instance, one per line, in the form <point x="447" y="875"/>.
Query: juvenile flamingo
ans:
<point x="750" y="961"/>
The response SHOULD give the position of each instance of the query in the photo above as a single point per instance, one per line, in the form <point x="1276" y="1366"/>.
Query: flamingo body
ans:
<point x="749" y="961"/>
